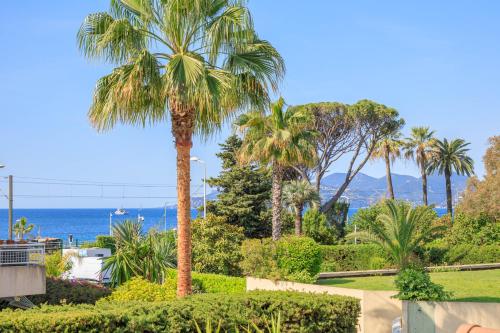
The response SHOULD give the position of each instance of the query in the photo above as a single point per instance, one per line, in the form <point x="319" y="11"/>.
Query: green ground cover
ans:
<point x="467" y="286"/>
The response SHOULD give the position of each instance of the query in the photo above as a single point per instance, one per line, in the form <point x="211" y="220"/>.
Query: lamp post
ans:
<point x="196" y="159"/>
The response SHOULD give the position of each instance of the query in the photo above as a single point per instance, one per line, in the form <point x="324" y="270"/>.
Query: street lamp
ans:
<point x="196" y="159"/>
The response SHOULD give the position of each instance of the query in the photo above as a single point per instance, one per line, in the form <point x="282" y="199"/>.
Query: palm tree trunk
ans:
<point x="277" y="183"/>
<point x="390" y="190"/>
<point x="298" y="220"/>
<point x="449" y="200"/>
<point x="182" y="129"/>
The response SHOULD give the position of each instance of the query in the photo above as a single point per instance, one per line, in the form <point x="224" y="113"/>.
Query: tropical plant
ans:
<point x="56" y="264"/>
<point x="296" y="195"/>
<point x="21" y="227"/>
<point x="198" y="61"/>
<point x="281" y="139"/>
<point x="138" y="254"/>
<point x="244" y="192"/>
<point x="482" y="197"/>
<point x="446" y="157"/>
<point x="418" y="147"/>
<point x="396" y="232"/>
<point x="388" y="149"/>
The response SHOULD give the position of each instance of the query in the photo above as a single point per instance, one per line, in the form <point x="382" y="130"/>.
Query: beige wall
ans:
<point x="22" y="280"/>
<point x="378" y="309"/>
<point x="448" y="316"/>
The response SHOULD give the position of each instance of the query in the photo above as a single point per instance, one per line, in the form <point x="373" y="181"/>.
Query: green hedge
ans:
<point x="68" y="291"/>
<point x="353" y="257"/>
<point x="300" y="312"/>
<point x="471" y="254"/>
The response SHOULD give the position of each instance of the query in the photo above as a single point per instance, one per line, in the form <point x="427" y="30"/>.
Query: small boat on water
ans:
<point x="121" y="211"/>
<point x="140" y="218"/>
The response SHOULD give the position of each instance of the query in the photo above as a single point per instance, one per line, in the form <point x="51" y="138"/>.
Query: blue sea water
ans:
<point x="86" y="224"/>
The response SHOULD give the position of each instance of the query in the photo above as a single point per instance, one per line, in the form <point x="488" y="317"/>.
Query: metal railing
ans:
<point x="22" y="254"/>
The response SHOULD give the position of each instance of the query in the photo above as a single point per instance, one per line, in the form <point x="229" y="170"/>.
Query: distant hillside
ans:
<point x="365" y="190"/>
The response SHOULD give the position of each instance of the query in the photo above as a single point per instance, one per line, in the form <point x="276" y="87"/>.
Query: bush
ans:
<point x="353" y="257"/>
<point x="416" y="285"/>
<point x="139" y="289"/>
<point x="315" y="225"/>
<point x="291" y="258"/>
<point x="434" y="253"/>
<point x="314" y="313"/>
<point x="480" y="230"/>
<point x="216" y="246"/>
<point x="60" y="291"/>
<point x="465" y="254"/>
<point x="56" y="264"/>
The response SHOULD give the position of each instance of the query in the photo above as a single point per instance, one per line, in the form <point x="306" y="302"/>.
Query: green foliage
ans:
<point x="56" y="264"/>
<point x="102" y="241"/>
<point x="244" y="192"/>
<point x="336" y="216"/>
<point x="471" y="230"/>
<point x="299" y="312"/>
<point x="351" y="257"/>
<point x="315" y="225"/>
<point x="466" y="254"/>
<point x="416" y="285"/>
<point x="139" y="289"/>
<point x="291" y="258"/>
<point x="21" y="227"/>
<point x="216" y="246"/>
<point x="138" y="254"/>
<point x="61" y="291"/>
<point x="397" y="231"/>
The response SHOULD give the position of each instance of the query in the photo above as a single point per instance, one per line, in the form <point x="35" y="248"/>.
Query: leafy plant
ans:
<point x="216" y="246"/>
<point x="316" y="227"/>
<point x="396" y="232"/>
<point x="21" y="227"/>
<point x="415" y="285"/>
<point x="56" y="264"/>
<point x="351" y="257"/>
<point x="296" y="195"/>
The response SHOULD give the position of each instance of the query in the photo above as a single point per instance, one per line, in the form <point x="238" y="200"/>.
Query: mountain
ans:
<point x="365" y="190"/>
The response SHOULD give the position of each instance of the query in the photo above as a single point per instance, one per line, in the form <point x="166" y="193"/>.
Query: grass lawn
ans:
<point x="467" y="286"/>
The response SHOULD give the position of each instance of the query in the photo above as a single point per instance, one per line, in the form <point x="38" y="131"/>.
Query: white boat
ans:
<point x="121" y="211"/>
<point x="140" y="218"/>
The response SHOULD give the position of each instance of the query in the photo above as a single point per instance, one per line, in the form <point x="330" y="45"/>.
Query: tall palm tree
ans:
<point x="297" y="194"/>
<point x="417" y="147"/>
<point x="197" y="61"/>
<point x="280" y="139"/>
<point x="21" y="227"/>
<point x="388" y="149"/>
<point x="448" y="156"/>
<point x="397" y="232"/>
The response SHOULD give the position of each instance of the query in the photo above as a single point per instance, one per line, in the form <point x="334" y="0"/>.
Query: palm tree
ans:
<point x="388" y="149"/>
<point x="297" y="194"/>
<point x="396" y="232"/>
<point x="448" y="156"/>
<point x="417" y="147"/>
<point x="21" y="227"/>
<point x="280" y="139"/>
<point x="197" y="61"/>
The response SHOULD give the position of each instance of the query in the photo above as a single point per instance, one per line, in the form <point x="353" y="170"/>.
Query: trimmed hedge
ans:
<point x="471" y="254"/>
<point x="300" y="312"/>
<point x="353" y="257"/>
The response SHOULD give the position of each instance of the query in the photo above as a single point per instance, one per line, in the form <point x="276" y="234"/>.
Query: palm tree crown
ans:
<point x="280" y="139"/>
<point x="297" y="194"/>
<point x="417" y="147"/>
<point x="388" y="149"/>
<point x="448" y="156"/>
<point x="197" y="61"/>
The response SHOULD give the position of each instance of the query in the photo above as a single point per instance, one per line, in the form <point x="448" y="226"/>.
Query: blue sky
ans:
<point x="438" y="63"/>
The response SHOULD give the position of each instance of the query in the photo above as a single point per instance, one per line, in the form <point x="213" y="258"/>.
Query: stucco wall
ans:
<point x="378" y="309"/>
<point x="22" y="280"/>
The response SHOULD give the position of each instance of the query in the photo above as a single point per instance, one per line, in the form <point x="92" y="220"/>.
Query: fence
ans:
<point x="22" y="254"/>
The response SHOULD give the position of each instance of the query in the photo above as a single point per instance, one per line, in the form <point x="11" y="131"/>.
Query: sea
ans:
<point x="86" y="223"/>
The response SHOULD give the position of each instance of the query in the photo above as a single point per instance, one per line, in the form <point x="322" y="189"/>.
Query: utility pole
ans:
<point x="11" y="204"/>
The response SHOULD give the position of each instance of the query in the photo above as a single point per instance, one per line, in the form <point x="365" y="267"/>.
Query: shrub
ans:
<point x="466" y="254"/>
<point x="298" y="255"/>
<point x="353" y="257"/>
<point x="292" y="258"/>
<point x="216" y="246"/>
<point x="415" y="285"/>
<point x="315" y="225"/>
<point x="56" y="264"/>
<point x="68" y="291"/>
<point x="139" y="289"/>
<point x="299" y="312"/>
<point x="474" y="230"/>
<point x="434" y="253"/>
